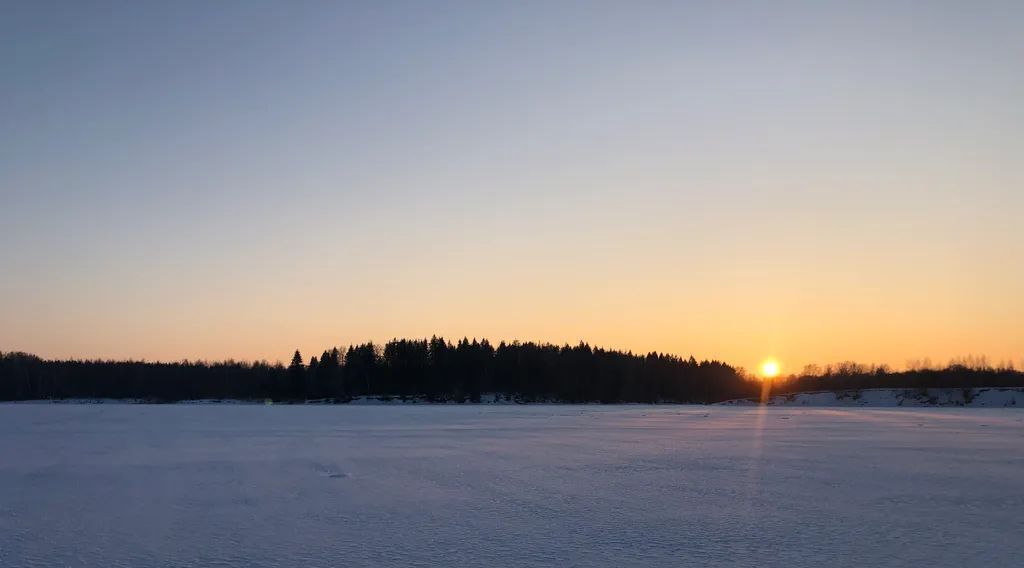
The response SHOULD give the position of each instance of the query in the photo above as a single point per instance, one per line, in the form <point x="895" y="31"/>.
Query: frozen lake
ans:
<point x="240" y="486"/>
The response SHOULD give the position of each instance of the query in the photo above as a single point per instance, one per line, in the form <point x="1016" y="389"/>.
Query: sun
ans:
<point x="770" y="368"/>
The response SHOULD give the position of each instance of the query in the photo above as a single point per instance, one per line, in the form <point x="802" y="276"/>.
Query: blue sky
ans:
<point x="729" y="179"/>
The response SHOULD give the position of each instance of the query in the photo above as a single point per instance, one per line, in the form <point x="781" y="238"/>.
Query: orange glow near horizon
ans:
<point x="212" y="312"/>
<point x="220" y="311"/>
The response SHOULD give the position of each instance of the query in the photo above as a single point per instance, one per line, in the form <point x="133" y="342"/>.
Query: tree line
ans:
<point x="432" y="369"/>
<point x="437" y="370"/>
<point x="961" y="373"/>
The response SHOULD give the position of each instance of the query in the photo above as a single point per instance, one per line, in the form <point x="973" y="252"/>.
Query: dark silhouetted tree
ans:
<point x="297" y="376"/>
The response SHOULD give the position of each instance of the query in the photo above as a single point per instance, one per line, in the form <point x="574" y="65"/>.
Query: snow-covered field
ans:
<point x="305" y="486"/>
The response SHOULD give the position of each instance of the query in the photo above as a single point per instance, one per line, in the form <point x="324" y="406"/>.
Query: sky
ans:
<point x="811" y="181"/>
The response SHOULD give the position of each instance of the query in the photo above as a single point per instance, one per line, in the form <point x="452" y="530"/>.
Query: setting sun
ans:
<point x="770" y="368"/>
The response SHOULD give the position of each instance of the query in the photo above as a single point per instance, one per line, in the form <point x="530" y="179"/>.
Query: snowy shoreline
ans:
<point x="985" y="397"/>
<point x="988" y="397"/>
<point x="486" y="400"/>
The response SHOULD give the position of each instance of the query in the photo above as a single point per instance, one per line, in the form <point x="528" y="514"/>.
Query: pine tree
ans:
<point x="297" y="374"/>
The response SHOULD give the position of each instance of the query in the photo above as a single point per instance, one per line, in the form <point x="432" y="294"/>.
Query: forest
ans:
<point x="966" y="372"/>
<point x="437" y="370"/>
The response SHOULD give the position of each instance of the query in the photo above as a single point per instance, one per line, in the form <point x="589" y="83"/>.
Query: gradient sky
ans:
<point x="815" y="181"/>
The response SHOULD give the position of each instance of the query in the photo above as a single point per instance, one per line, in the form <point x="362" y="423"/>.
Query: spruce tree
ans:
<point x="297" y="374"/>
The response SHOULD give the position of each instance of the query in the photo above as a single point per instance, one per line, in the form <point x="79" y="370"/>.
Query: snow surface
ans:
<point x="492" y="485"/>
<point x="981" y="397"/>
